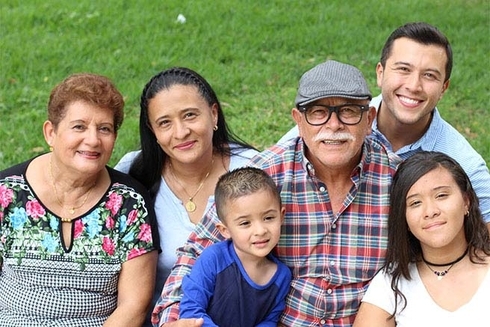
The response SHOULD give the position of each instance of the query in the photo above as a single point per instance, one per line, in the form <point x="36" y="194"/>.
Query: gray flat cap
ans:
<point x="332" y="79"/>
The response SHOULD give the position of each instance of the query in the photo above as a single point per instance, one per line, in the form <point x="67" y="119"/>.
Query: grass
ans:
<point x="252" y="53"/>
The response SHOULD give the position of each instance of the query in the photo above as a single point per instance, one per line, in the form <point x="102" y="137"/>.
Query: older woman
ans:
<point x="186" y="146"/>
<point x="76" y="246"/>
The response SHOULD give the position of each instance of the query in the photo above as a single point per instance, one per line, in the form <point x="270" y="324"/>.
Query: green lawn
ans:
<point x="252" y="53"/>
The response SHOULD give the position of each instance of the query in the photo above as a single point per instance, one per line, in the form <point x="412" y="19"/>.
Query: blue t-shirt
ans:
<point x="219" y="290"/>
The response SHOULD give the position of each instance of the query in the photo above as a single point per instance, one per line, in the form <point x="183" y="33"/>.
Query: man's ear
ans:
<point x="379" y="74"/>
<point x="223" y="230"/>
<point x="445" y="86"/>
<point x="371" y="116"/>
<point x="296" y="114"/>
<point x="297" y="117"/>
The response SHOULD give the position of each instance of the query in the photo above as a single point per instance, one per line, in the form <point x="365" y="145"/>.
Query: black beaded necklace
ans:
<point x="443" y="273"/>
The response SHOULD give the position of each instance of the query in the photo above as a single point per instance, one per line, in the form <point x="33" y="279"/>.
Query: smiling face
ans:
<point x="253" y="222"/>
<point x="182" y="122"/>
<point x="334" y="145"/>
<point x="412" y="81"/>
<point x="84" y="138"/>
<point x="435" y="209"/>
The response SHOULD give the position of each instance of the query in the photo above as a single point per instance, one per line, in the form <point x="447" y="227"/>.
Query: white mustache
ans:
<point x="322" y="136"/>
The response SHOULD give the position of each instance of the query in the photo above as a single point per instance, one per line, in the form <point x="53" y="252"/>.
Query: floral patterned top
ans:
<point x="44" y="282"/>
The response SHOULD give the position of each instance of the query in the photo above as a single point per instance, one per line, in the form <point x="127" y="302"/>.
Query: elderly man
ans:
<point x="334" y="184"/>
<point x="414" y="73"/>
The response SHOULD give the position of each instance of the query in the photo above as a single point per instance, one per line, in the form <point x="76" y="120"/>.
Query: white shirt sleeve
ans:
<point x="379" y="292"/>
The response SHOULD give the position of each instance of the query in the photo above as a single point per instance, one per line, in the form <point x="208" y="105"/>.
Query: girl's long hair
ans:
<point x="403" y="247"/>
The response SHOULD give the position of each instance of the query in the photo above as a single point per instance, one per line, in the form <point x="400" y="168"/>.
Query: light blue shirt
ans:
<point x="440" y="137"/>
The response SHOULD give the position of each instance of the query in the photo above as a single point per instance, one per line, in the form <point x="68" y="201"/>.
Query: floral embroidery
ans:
<point x="109" y="223"/>
<point x="78" y="228"/>
<point x="53" y="223"/>
<point x="108" y="246"/>
<point x="49" y="243"/>
<point x="128" y="237"/>
<point x="122" y="223"/>
<point x="133" y="215"/>
<point x="6" y="196"/>
<point x="114" y="203"/>
<point x="18" y="218"/>
<point x="34" y="209"/>
<point x="92" y="222"/>
<point x="85" y="271"/>
<point x="135" y="253"/>
<point x="116" y="230"/>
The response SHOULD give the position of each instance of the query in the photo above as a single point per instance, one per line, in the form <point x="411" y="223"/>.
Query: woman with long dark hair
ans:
<point x="437" y="269"/>
<point x="186" y="146"/>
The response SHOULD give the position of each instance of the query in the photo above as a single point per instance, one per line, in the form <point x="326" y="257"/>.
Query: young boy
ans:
<point x="238" y="282"/>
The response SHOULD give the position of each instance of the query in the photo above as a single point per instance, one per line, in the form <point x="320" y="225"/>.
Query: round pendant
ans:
<point x="71" y="211"/>
<point x="190" y="206"/>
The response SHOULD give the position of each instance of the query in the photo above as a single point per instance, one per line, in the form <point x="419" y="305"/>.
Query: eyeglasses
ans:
<point x="348" y="114"/>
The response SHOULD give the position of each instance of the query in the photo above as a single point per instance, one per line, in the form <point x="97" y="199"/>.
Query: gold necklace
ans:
<point x="72" y="209"/>
<point x="190" y="206"/>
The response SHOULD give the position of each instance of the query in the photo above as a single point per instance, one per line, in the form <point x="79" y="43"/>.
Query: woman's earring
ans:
<point x="50" y="149"/>
<point x="215" y="128"/>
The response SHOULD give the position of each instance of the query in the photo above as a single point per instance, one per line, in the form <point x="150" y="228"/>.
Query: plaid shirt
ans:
<point x="332" y="255"/>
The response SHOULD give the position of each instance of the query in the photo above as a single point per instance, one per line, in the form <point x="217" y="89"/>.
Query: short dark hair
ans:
<point x="422" y="33"/>
<point x="90" y="88"/>
<point x="241" y="182"/>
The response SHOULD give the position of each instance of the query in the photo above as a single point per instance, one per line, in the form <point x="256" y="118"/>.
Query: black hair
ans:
<point x="422" y="33"/>
<point x="147" y="166"/>
<point x="403" y="247"/>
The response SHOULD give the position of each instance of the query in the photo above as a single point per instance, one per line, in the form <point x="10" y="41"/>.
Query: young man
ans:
<point x="334" y="183"/>
<point x="413" y="74"/>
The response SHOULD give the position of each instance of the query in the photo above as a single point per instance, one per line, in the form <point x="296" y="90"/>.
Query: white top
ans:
<point x="174" y="225"/>
<point x="421" y="310"/>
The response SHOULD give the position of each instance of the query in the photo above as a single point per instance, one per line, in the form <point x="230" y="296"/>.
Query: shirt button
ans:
<point x="334" y="226"/>
<point x="329" y="291"/>
<point x="332" y="263"/>
<point x="322" y="188"/>
<point x="323" y="321"/>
